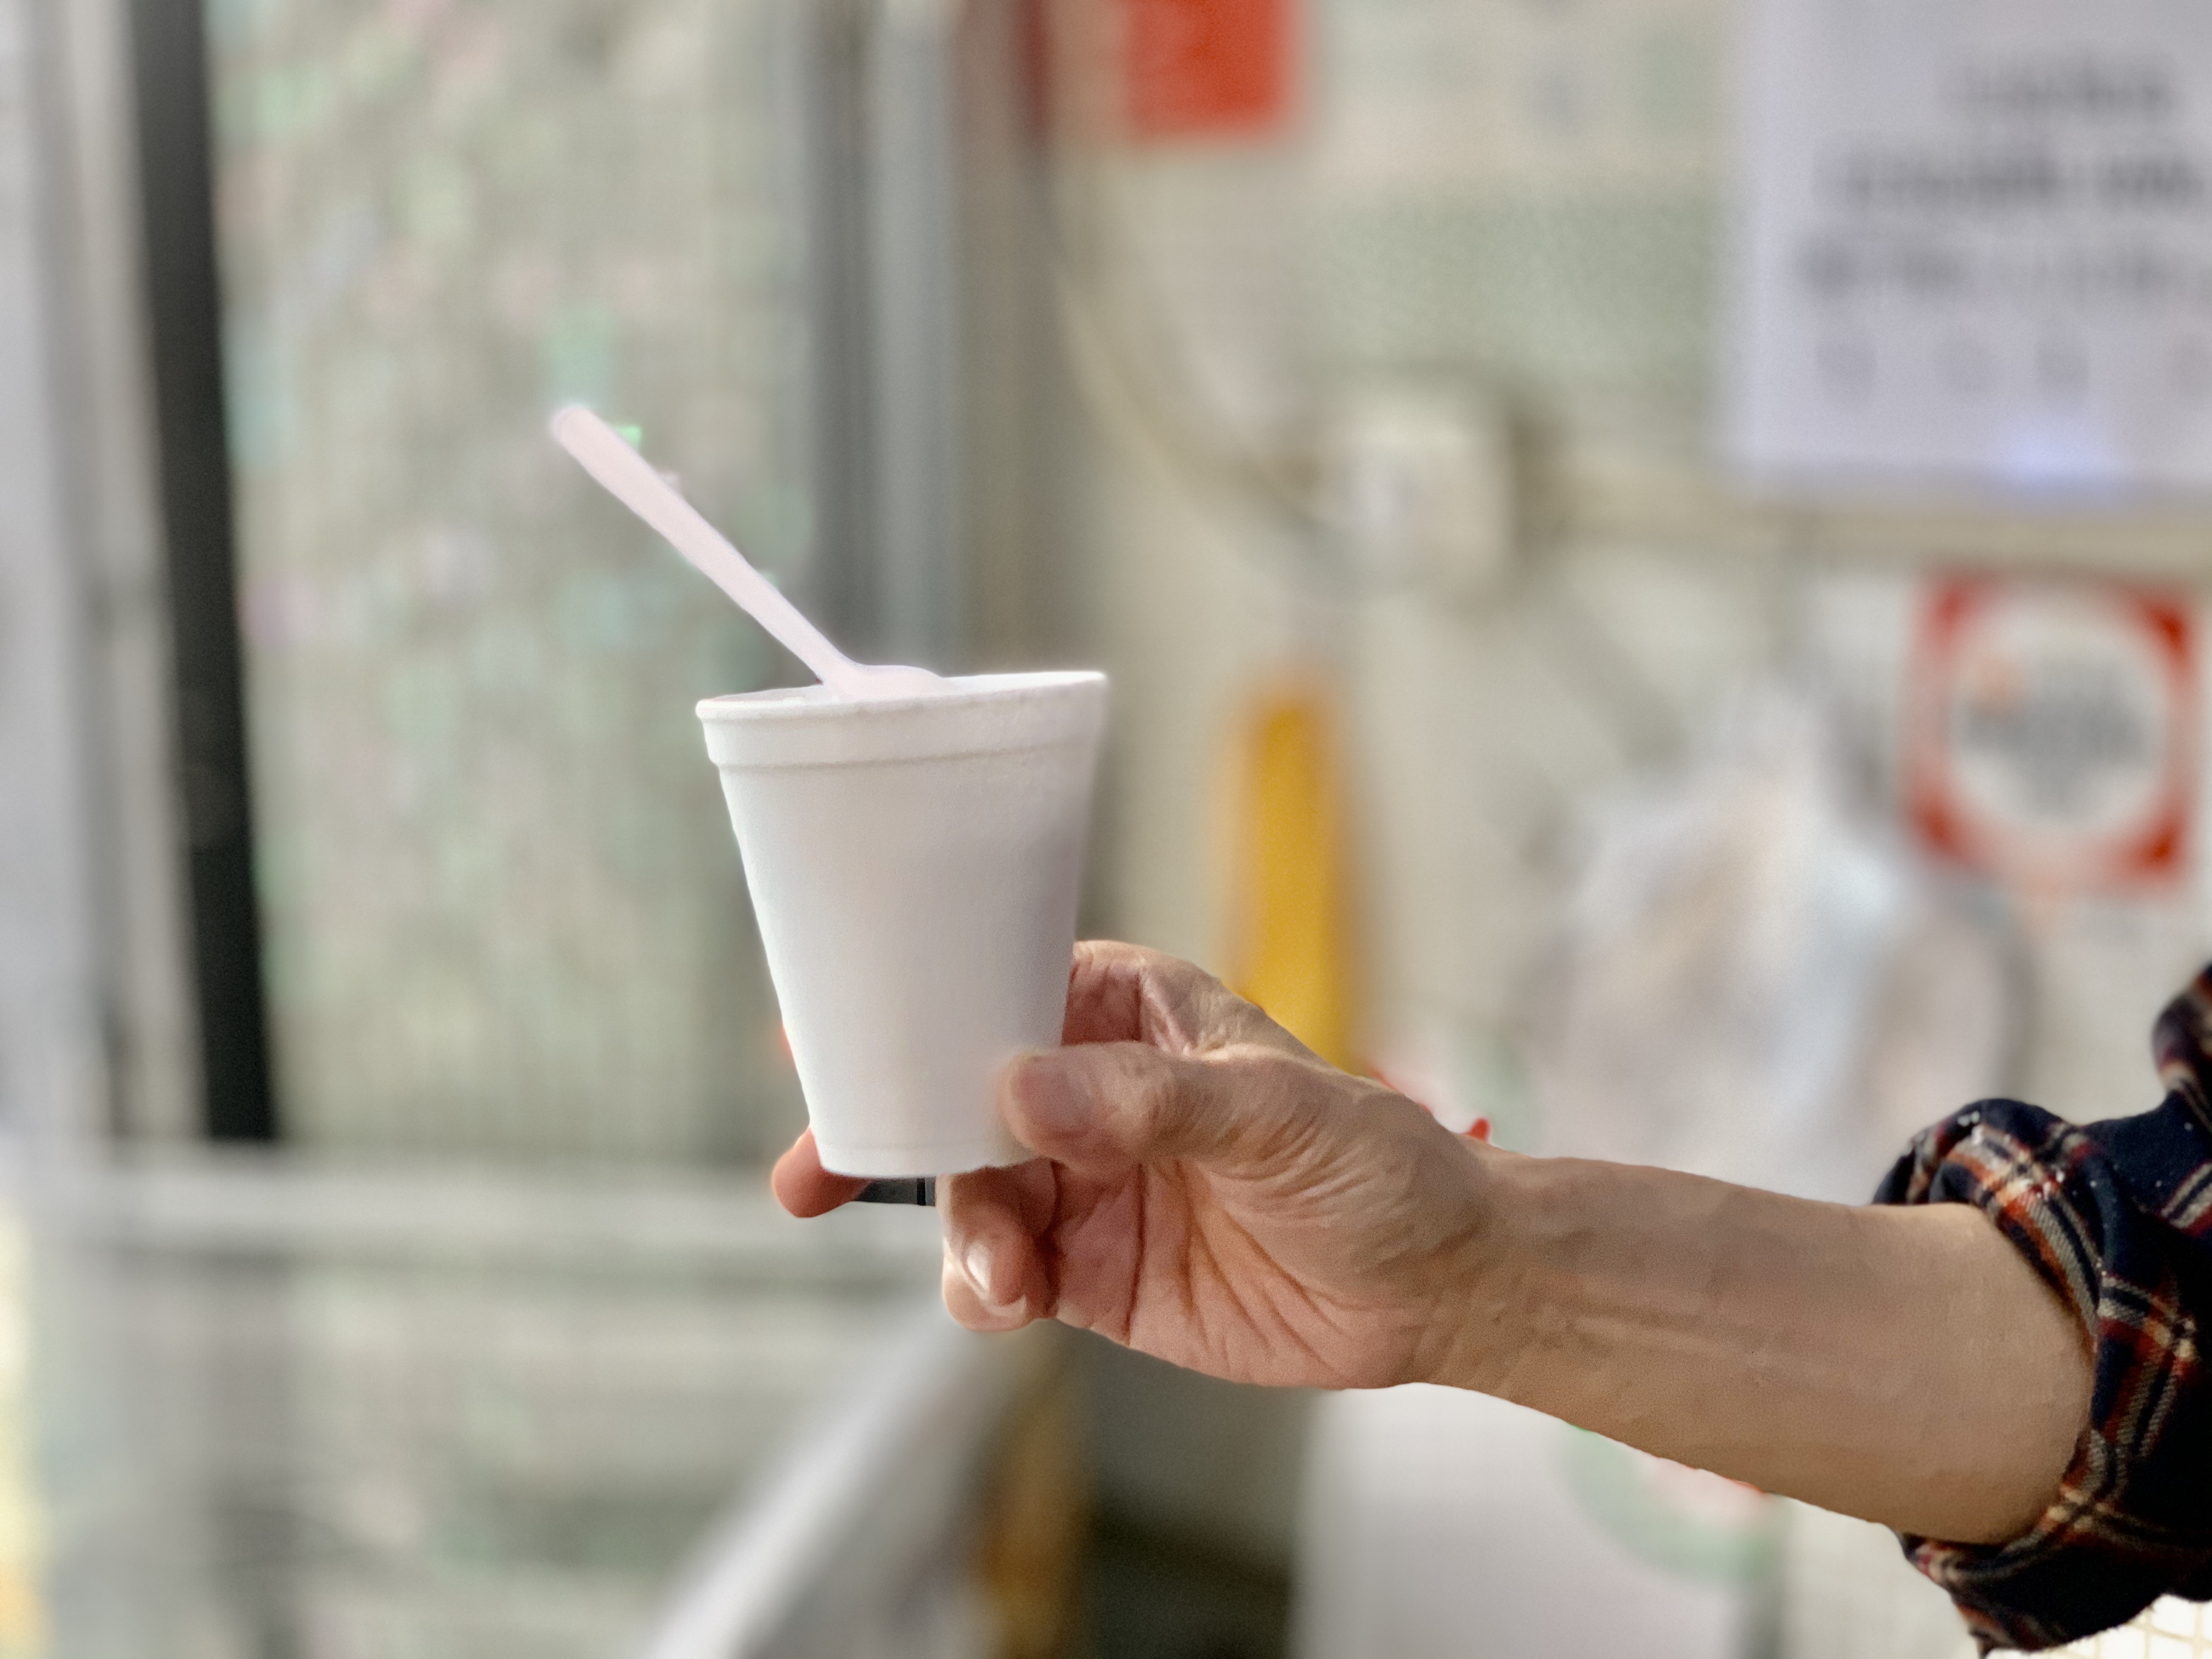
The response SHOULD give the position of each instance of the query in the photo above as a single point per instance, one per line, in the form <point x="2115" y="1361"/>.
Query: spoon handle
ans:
<point x="631" y="478"/>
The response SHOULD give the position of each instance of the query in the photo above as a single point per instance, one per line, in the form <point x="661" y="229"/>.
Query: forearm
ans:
<point x="1905" y="1366"/>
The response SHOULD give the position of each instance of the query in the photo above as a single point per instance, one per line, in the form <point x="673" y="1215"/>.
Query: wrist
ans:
<point x="1476" y="1326"/>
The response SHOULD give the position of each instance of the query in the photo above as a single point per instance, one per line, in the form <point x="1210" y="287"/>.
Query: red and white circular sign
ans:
<point x="2050" y="730"/>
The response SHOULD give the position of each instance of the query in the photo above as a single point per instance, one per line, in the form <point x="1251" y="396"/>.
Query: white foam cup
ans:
<point x="915" y="864"/>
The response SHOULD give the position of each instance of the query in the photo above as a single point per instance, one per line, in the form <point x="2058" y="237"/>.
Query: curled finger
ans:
<point x="991" y="1219"/>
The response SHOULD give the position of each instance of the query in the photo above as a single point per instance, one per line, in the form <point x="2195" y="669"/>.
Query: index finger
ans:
<point x="803" y="1187"/>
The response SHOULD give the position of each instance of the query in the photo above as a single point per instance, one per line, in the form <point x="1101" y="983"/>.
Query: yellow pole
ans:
<point x="1293" y="952"/>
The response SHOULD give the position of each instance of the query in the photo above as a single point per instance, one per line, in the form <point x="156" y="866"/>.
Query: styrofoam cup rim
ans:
<point x="810" y="703"/>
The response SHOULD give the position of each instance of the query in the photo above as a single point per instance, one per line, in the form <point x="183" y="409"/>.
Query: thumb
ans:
<point x="1110" y="1104"/>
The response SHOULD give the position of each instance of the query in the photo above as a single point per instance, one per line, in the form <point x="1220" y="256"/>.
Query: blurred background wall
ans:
<point x="1364" y="392"/>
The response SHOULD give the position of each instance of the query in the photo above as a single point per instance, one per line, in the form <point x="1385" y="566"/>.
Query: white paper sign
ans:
<point x="1975" y="242"/>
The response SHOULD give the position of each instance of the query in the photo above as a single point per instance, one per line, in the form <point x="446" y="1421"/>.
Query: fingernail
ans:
<point x="976" y="1262"/>
<point x="1049" y="1094"/>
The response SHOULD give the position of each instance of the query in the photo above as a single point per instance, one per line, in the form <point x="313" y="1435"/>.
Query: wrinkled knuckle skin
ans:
<point x="1157" y="1089"/>
<point x="1277" y="1081"/>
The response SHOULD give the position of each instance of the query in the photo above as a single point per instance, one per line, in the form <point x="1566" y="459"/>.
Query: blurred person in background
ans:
<point x="2001" y="1357"/>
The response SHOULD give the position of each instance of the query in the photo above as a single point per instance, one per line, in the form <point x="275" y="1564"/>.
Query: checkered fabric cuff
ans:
<point x="2118" y="1218"/>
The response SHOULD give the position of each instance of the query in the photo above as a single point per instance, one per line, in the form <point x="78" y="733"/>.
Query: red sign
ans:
<point x="2050" y="730"/>
<point x="1197" y="68"/>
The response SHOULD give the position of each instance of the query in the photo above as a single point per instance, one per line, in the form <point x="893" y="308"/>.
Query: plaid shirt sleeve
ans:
<point x="2118" y="1218"/>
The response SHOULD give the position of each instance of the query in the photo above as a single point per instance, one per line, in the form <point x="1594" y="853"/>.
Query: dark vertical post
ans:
<point x="176" y="163"/>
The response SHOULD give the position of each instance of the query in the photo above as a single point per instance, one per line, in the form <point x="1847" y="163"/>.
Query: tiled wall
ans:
<point x="501" y="904"/>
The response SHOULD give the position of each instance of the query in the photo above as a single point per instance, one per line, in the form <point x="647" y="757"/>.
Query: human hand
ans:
<point x="1210" y="1191"/>
<point x="1207" y="1191"/>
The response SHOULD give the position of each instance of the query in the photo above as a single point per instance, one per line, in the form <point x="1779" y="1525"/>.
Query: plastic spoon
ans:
<point x="630" y="479"/>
